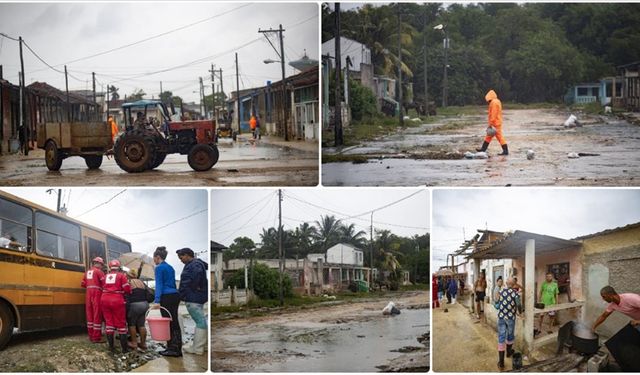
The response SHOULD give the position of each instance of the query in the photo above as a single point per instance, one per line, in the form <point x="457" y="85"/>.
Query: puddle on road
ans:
<point x="357" y="346"/>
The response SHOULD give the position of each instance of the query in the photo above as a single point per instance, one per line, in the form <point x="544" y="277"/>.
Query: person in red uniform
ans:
<point x="116" y="285"/>
<point x="93" y="281"/>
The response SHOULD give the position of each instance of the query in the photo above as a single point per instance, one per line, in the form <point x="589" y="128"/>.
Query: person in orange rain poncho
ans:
<point x="114" y="127"/>
<point x="495" y="122"/>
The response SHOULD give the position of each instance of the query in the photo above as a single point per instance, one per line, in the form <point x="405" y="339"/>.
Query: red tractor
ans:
<point x="152" y="135"/>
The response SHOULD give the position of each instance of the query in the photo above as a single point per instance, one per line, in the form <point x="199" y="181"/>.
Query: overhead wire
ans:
<point x="102" y="204"/>
<point x="250" y="219"/>
<point x="245" y="208"/>
<point x="166" y="225"/>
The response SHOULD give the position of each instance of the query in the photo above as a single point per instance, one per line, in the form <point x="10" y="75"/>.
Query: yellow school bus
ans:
<point x="43" y="256"/>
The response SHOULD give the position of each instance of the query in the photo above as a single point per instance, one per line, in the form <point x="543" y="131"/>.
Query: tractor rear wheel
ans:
<point x="202" y="157"/>
<point x="93" y="161"/>
<point x="134" y="152"/>
<point x="158" y="160"/>
<point x="52" y="156"/>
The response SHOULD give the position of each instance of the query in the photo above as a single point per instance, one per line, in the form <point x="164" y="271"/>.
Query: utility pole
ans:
<point x="400" y="114"/>
<point x="213" y="87"/>
<point x="371" y="251"/>
<point x="280" y="252"/>
<point x="426" y="90"/>
<point x="93" y="76"/>
<point x="285" y="97"/>
<point x="50" y="191"/>
<point x="237" y="95"/>
<point x="444" y="83"/>
<point x="337" y="109"/>
<point x="25" y="133"/>
<point x="66" y="84"/>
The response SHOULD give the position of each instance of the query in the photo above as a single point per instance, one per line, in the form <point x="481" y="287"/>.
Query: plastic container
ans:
<point x="160" y="326"/>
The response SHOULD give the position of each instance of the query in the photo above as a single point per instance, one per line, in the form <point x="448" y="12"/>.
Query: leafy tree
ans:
<point x="363" y="101"/>
<point x="136" y="95"/>
<point x="349" y="235"/>
<point x="265" y="282"/>
<point x="239" y="248"/>
<point x="327" y="232"/>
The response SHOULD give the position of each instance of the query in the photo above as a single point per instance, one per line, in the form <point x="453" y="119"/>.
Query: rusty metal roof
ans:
<point x="609" y="231"/>
<point x="44" y="89"/>
<point x="513" y="245"/>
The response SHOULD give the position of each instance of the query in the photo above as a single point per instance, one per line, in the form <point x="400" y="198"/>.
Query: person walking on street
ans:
<point x="626" y="303"/>
<point x="114" y="128"/>
<point x="549" y="296"/>
<point x="452" y="289"/>
<point x="137" y="306"/>
<point x="253" y="123"/>
<point x="167" y="296"/>
<point x="495" y="124"/>
<point x="113" y="302"/>
<point x="480" y="290"/>
<point x="93" y="281"/>
<point x="508" y="309"/>
<point x="193" y="291"/>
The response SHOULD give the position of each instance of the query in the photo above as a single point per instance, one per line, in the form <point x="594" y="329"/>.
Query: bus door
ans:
<point x="95" y="248"/>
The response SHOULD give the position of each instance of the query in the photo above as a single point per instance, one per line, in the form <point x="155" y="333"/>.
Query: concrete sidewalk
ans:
<point x="306" y="146"/>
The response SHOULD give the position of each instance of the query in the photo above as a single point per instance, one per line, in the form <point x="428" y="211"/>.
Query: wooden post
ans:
<point x="66" y="84"/>
<point x="337" y="109"/>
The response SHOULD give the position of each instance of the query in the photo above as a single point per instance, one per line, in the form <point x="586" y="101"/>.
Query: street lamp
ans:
<point x="446" y="46"/>
<point x="284" y="90"/>
<point x="271" y="61"/>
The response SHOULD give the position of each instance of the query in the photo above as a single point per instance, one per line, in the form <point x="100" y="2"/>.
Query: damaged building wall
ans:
<point x="611" y="258"/>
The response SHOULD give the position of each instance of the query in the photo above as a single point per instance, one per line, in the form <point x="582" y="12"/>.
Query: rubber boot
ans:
<point x="501" y="360"/>
<point x="110" y="340"/>
<point x="505" y="150"/>
<point x="510" y="350"/>
<point x="485" y="144"/>
<point x="199" y="343"/>
<point x="124" y="343"/>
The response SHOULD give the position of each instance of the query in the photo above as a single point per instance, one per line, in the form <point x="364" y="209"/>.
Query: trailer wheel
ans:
<point x="6" y="325"/>
<point x="202" y="157"/>
<point x="93" y="161"/>
<point x="52" y="156"/>
<point x="133" y="152"/>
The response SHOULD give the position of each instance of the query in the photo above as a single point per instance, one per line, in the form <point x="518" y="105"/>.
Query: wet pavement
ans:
<point x="432" y="154"/>
<point x="241" y="163"/>
<point x="341" y="338"/>
<point x="188" y="363"/>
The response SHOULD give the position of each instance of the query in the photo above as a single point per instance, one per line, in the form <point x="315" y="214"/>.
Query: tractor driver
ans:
<point x="140" y="120"/>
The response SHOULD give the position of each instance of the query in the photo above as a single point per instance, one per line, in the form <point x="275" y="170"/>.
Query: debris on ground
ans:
<point x="390" y="309"/>
<point x="572" y="122"/>
<point x="573" y="155"/>
<point x="476" y="155"/>
<point x="530" y="154"/>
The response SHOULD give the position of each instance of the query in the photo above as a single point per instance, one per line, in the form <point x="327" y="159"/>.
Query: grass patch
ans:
<point x="408" y="288"/>
<point x="339" y="158"/>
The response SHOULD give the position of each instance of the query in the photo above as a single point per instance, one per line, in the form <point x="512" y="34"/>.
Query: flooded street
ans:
<point x="69" y="350"/>
<point x="432" y="154"/>
<point x="270" y="162"/>
<point x="343" y="337"/>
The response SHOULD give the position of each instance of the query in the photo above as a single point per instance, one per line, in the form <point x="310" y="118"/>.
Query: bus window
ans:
<point x="15" y="225"/>
<point x="57" y="238"/>
<point x="117" y="247"/>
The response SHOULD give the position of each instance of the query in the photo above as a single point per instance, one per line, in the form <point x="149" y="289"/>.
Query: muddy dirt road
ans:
<point x="69" y="350"/>
<point x="343" y="337"/>
<point x="431" y="154"/>
<point x="269" y="163"/>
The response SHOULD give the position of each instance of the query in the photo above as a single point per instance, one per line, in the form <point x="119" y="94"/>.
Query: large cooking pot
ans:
<point x="583" y="339"/>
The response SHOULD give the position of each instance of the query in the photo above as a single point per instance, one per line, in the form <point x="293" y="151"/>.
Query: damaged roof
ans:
<point x="609" y="231"/>
<point x="44" y="89"/>
<point x="513" y="245"/>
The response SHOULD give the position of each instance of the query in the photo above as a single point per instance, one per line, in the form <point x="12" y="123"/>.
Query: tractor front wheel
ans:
<point x="134" y="153"/>
<point x="52" y="156"/>
<point x="93" y="161"/>
<point x="202" y="157"/>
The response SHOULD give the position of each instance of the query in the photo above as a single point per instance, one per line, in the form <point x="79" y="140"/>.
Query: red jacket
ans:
<point x="116" y="283"/>
<point x="93" y="278"/>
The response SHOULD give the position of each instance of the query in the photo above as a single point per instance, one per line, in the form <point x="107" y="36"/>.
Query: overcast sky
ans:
<point x="61" y="33"/>
<point x="244" y="212"/>
<point x="134" y="211"/>
<point x="564" y="213"/>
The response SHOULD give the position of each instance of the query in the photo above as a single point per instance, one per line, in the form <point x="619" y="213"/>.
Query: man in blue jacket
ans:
<point x="193" y="291"/>
<point x="167" y="296"/>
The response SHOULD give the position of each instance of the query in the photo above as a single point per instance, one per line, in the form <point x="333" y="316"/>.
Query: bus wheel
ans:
<point x="6" y="325"/>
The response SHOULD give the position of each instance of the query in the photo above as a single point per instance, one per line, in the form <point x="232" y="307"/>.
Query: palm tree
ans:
<point x="349" y="235"/>
<point x="327" y="232"/>
<point x="304" y="234"/>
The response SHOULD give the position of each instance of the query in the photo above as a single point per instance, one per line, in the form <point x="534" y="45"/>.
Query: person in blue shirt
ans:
<point x="452" y="288"/>
<point x="194" y="292"/>
<point x="167" y="296"/>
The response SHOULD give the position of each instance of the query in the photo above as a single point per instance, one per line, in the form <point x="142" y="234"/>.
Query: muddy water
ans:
<point x="332" y="347"/>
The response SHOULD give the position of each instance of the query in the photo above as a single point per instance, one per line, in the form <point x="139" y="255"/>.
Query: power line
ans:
<point x="102" y="204"/>
<point x="166" y="225"/>
<point x="250" y="219"/>
<point x="267" y="196"/>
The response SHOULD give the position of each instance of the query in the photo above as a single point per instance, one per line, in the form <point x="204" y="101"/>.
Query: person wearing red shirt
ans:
<point x="93" y="281"/>
<point x="116" y="285"/>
